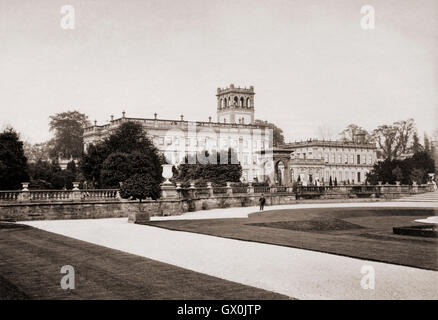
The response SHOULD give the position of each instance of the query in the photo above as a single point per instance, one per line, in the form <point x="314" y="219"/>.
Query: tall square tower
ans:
<point x="235" y="105"/>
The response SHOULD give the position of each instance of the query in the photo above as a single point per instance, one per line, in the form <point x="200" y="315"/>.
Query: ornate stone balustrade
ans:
<point x="344" y="191"/>
<point x="26" y="195"/>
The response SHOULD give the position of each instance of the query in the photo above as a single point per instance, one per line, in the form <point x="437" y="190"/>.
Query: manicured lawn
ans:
<point x="364" y="233"/>
<point x="31" y="260"/>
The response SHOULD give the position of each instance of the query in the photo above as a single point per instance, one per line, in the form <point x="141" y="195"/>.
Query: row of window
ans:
<point x="341" y="176"/>
<point x="161" y="141"/>
<point x="243" y="158"/>
<point x="339" y="158"/>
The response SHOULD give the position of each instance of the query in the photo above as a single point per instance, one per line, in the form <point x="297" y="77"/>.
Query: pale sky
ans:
<point x="309" y="60"/>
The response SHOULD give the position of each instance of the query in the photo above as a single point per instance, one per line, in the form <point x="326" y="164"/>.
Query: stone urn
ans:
<point x="25" y="186"/>
<point x="167" y="173"/>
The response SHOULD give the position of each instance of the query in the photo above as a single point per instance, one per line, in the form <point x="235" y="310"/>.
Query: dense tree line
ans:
<point x="49" y="175"/>
<point x="218" y="168"/>
<point x="407" y="171"/>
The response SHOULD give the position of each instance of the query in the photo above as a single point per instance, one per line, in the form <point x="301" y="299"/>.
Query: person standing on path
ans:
<point x="262" y="201"/>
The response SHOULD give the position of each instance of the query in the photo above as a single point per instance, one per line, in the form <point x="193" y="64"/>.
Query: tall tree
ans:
<point x="393" y="140"/>
<point x="37" y="151"/>
<point x="416" y="144"/>
<point x="277" y="134"/>
<point x="69" y="128"/>
<point x="349" y="133"/>
<point x="13" y="162"/>
<point x="386" y="138"/>
<point x="405" y="131"/>
<point x="126" y="152"/>
<point x="427" y="146"/>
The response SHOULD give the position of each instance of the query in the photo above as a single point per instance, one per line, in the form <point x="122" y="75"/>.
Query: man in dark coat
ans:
<point x="262" y="201"/>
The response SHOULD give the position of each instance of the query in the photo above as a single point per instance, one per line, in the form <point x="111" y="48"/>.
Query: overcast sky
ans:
<point x="310" y="62"/>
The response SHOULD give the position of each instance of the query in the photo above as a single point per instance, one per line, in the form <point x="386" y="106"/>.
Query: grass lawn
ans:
<point x="364" y="233"/>
<point x="31" y="260"/>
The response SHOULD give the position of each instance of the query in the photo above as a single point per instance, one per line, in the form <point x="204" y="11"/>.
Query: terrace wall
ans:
<point x="90" y="204"/>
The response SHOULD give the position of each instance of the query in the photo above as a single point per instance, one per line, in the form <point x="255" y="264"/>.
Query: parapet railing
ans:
<point x="25" y="195"/>
<point x="59" y="195"/>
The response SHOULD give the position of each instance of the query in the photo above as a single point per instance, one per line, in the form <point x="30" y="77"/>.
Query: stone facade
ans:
<point x="177" y="138"/>
<point x="318" y="161"/>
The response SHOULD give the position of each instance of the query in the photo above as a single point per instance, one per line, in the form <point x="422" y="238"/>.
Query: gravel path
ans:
<point x="294" y="272"/>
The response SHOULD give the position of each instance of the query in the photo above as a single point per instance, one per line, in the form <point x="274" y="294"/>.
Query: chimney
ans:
<point x="155" y="116"/>
<point x="95" y="122"/>
<point x="209" y="119"/>
<point x="112" y="117"/>
<point x="182" y="117"/>
<point x="123" y="114"/>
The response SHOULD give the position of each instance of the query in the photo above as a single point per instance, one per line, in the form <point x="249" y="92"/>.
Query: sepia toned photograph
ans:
<point x="218" y="155"/>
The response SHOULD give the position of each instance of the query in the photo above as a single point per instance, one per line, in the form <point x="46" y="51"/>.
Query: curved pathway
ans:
<point x="294" y="272"/>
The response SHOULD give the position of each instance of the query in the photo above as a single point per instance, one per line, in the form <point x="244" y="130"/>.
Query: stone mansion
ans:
<point x="252" y="140"/>
<point x="235" y="128"/>
<point x="318" y="160"/>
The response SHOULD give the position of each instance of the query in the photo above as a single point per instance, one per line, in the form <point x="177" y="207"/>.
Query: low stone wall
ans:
<point x="207" y="203"/>
<point x="86" y="210"/>
<point x="23" y="211"/>
<point x="80" y="208"/>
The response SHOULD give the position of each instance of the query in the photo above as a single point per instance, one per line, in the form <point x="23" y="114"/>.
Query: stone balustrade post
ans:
<point x="414" y="187"/>
<point x="168" y="190"/>
<point x="25" y="193"/>
<point x="210" y="190"/>
<point x="229" y="190"/>
<point x="272" y="189"/>
<point x="250" y="188"/>
<point x="398" y="187"/>
<point x="76" y="193"/>
<point x="192" y="190"/>
<point x="178" y="190"/>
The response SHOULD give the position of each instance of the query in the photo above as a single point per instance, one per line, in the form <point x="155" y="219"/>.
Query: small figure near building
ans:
<point x="262" y="201"/>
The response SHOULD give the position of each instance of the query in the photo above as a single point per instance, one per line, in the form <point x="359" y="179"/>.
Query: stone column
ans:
<point x="287" y="177"/>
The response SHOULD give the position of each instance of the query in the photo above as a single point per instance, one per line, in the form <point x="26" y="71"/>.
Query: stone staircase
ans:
<point x="422" y="197"/>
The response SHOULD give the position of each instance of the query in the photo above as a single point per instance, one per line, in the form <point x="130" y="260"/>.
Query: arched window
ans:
<point x="236" y="101"/>
<point x="248" y="103"/>
<point x="242" y="102"/>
